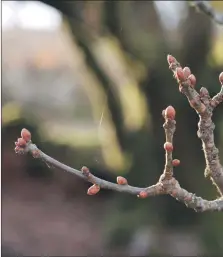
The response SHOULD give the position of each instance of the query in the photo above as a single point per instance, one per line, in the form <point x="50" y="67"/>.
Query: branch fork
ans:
<point x="204" y="105"/>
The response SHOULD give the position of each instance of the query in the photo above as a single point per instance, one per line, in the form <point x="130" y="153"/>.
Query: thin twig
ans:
<point x="206" y="8"/>
<point x="167" y="184"/>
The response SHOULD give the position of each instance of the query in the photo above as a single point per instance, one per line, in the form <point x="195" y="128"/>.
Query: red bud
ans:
<point x="170" y="59"/>
<point x="143" y="194"/>
<point x="168" y="147"/>
<point x="26" y="135"/>
<point x="175" y="162"/>
<point x="170" y="113"/>
<point x="93" y="190"/>
<point x="121" y="180"/>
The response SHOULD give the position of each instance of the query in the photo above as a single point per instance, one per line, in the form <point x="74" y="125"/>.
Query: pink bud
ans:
<point x="170" y="113"/>
<point x="175" y="162"/>
<point x="180" y="74"/>
<point x="26" y="135"/>
<point x="192" y="79"/>
<point x="121" y="180"/>
<point x="93" y="190"/>
<point x="21" y="142"/>
<point x="187" y="72"/>
<point x="168" y="147"/>
<point x="170" y="59"/>
<point x="143" y="194"/>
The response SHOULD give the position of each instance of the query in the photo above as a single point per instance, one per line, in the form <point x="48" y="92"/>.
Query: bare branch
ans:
<point x="206" y="8"/>
<point x="204" y="106"/>
<point x="167" y="184"/>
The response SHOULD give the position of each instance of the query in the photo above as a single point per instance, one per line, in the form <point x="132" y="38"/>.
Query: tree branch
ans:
<point x="204" y="106"/>
<point x="206" y="8"/>
<point x="166" y="184"/>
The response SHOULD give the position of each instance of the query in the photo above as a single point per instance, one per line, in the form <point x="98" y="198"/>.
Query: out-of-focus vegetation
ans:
<point x="94" y="91"/>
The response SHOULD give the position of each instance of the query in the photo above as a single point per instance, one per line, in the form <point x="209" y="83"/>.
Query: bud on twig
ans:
<point x="170" y="59"/>
<point x="142" y="194"/>
<point x="93" y="190"/>
<point x="187" y="72"/>
<point x="204" y="92"/>
<point x="121" y="180"/>
<point x="21" y="142"/>
<point x="168" y="147"/>
<point x="180" y="74"/>
<point x="170" y="113"/>
<point x="26" y="135"/>
<point x="176" y="162"/>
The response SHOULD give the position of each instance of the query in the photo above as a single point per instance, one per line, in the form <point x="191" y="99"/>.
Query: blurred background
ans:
<point x="90" y="79"/>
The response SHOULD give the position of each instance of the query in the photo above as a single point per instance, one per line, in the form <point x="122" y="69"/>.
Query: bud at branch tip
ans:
<point x="170" y="59"/>
<point x="26" y="135"/>
<point x="170" y="113"/>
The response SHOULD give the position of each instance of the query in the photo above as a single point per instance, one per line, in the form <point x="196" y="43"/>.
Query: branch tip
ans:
<point x="26" y="135"/>
<point x="169" y="113"/>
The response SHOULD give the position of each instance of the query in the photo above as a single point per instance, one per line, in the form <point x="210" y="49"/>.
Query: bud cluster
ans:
<point x="22" y="141"/>
<point x="182" y="75"/>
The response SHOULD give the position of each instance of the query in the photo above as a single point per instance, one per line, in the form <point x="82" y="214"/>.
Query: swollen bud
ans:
<point x="26" y="135"/>
<point x="93" y="190"/>
<point x="192" y="79"/>
<point x="121" y="180"/>
<point x="85" y="171"/>
<point x="170" y="59"/>
<point x="168" y="147"/>
<point x="175" y="162"/>
<point x="142" y="194"/>
<point x="180" y="74"/>
<point x="21" y="142"/>
<point x="221" y="78"/>
<point x="170" y="113"/>
<point x="204" y="92"/>
<point x="187" y="72"/>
